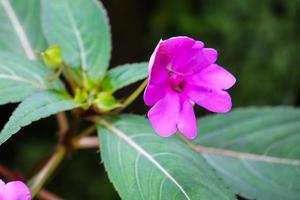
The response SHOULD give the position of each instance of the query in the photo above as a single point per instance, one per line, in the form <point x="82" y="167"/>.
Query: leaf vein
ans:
<point x="139" y="149"/>
<point x="19" y="29"/>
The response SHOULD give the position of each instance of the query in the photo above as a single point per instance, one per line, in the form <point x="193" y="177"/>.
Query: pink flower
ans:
<point x="183" y="72"/>
<point x="15" y="190"/>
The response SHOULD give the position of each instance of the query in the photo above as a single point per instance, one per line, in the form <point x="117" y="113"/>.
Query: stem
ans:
<point x="62" y="121"/>
<point x="69" y="77"/>
<point x="63" y="125"/>
<point x="87" y="131"/>
<point x="86" y="142"/>
<point x="46" y="195"/>
<point x="81" y="141"/>
<point x="56" y="75"/>
<point x="40" y="179"/>
<point x="8" y="174"/>
<point x="85" y="79"/>
<point x="132" y="97"/>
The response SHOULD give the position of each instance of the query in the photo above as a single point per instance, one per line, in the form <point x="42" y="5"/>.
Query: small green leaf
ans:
<point x="255" y="150"/>
<point x="142" y="165"/>
<point x="124" y="75"/>
<point x="20" y="30"/>
<point x="20" y="77"/>
<point x="36" y="107"/>
<point x="81" y="29"/>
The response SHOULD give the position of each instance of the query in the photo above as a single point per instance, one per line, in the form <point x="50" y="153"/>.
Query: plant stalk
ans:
<point x="132" y="97"/>
<point x="69" y="77"/>
<point x="86" y="142"/>
<point x="63" y="125"/>
<point x="82" y="141"/>
<point x="40" y="179"/>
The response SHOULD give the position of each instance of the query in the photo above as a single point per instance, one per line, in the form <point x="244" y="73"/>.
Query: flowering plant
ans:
<point x="58" y="65"/>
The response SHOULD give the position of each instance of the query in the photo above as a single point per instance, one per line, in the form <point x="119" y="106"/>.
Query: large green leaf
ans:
<point x="124" y="75"/>
<point x="20" y="77"/>
<point x="143" y="165"/>
<point x="20" y="39"/>
<point x="20" y="28"/>
<point x="256" y="151"/>
<point x="35" y="107"/>
<point x="81" y="29"/>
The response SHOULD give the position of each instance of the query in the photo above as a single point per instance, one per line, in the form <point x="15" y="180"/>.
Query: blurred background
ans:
<point x="258" y="41"/>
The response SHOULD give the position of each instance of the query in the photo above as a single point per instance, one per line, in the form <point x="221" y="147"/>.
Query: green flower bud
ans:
<point x="52" y="57"/>
<point x="105" y="102"/>
<point x="81" y="97"/>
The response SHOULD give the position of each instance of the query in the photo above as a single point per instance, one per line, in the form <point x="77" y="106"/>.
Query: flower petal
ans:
<point x="153" y="93"/>
<point x="186" y="119"/>
<point x="1" y="183"/>
<point x="210" y="56"/>
<point x="186" y="55"/>
<point x="16" y="190"/>
<point x="213" y="76"/>
<point x="200" y="59"/>
<point x="158" y="72"/>
<point x="214" y="100"/>
<point x="181" y="52"/>
<point x="163" y="115"/>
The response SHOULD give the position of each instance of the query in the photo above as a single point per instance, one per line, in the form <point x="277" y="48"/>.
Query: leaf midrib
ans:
<point x="141" y="151"/>
<point x="78" y="38"/>
<point x="18" y="29"/>
<point x="243" y="155"/>
<point x="22" y="79"/>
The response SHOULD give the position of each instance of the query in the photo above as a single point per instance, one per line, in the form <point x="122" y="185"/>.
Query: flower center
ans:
<point x="176" y="82"/>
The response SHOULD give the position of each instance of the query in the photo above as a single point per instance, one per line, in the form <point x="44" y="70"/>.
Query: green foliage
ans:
<point x="124" y="75"/>
<point x="20" y="77"/>
<point x="64" y="24"/>
<point x="270" y="132"/>
<point x="142" y="165"/>
<point x="253" y="151"/>
<point x="21" y="28"/>
<point x="20" y="38"/>
<point x="35" y="107"/>
<point x="81" y="29"/>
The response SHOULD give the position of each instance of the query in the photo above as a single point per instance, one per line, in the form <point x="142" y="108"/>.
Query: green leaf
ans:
<point x="255" y="150"/>
<point x="20" y="29"/>
<point x="36" y="107"/>
<point x="81" y="29"/>
<point x="124" y="75"/>
<point x="143" y="165"/>
<point x="20" y="38"/>
<point x="20" y="77"/>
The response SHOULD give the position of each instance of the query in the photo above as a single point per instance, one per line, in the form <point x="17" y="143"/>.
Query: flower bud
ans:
<point x="105" y="102"/>
<point x="52" y="57"/>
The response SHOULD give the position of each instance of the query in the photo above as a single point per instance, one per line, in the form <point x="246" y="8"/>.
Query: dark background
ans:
<point x="258" y="41"/>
